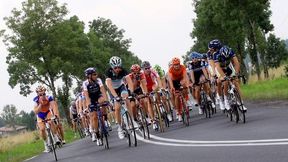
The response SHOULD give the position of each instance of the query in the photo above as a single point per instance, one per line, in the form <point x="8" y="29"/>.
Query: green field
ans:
<point x="20" y="152"/>
<point x="276" y="89"/>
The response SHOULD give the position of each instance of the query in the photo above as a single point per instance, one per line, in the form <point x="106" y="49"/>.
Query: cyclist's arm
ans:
<point x="37" y="108"/>
<point x="219" y="69"/>
<point x="143" y="85"/>
<point x="87" y="98"/>
<point x="170" y="81"/>
<point x="192" y="76"/>
<point x="236" y="64"/>
<point x="159" y="81"/>
<point x="129" y="83"/>
<point x="212" y="64"/>
<point x="204" y="70"/>
<point x="110" y="87"/>
<point x="55" y="109"/>
<point x="103" y="91"/>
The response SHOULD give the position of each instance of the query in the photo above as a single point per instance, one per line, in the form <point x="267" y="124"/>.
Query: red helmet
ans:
<point x="135" y="68"/>
<point x="175" y="61"/>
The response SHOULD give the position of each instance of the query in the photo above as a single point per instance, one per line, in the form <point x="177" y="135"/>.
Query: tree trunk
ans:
<point x="241" y="60"/>
<point x="253" y="50"/>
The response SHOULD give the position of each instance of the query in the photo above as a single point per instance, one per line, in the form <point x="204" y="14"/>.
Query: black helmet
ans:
<point x="145" y="64"/>
<point x="89" y="71"/>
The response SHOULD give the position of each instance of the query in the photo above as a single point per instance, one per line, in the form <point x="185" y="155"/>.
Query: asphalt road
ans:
<point x="263" y="138"/>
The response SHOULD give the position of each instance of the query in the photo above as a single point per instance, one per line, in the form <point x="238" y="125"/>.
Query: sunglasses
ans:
<point x="147" y="68"/>
<point x="44" y="94"/>
<point x="94" y="74"/>
<point x="117" y="67"/>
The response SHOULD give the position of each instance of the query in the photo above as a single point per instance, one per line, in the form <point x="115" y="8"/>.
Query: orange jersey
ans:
<point x="177" y="74"/>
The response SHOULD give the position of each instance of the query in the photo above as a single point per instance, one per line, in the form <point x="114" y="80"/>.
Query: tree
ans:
<point x="235" y="23"/>
<point x="43" y="47"/>
<point x="9" y="115"/>
<point x="27" y="119"/>
<point x="2" y="122"/>
<point x="276" y="51"/>
<point x="109" y="41"/>
<point x="159" y="70"/>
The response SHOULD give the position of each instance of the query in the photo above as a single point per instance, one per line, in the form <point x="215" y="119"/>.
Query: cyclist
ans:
<point x="94" y="93"/>
<point x="227" y="64"/>
<point x="73" y="116"/>
<point x="137" y="86"/>
<point x="199" y="74"/>
<point x="83" y="112"/>
<point x="42" y="105"/>
<point x="154" y="83"/>
<point x="178" y="77"/>
<point x="214" y="47"/>
<point x="115" y="77"/>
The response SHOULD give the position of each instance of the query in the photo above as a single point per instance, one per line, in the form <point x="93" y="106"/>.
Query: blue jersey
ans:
<point x="223" y="61"/>
<point x="196" y="66"/>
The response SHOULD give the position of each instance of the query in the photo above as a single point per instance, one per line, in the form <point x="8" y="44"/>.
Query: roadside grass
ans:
<point x="275" y="89"/>
<point x="273" y="74"/>
<point x="24" y="146"/>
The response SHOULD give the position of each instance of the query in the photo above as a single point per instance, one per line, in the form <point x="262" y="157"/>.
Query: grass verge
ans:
<point x="276" y="89"/>
<point x="12" y="150"/>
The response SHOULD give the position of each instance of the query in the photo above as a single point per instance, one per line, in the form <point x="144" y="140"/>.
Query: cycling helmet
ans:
<point x="169" y="63"/>
<point x="135" y="68"/>
<point x="40" y="88"/>
<point x="115" y="62"/>
<point x="145" y="64"/>
<point x="175" y="61"/>
<point x="196" y="55"/>
<point x="215" y="44"/>
<point x="204" y="56"/>
<point x="73" y="103"/>
<point x="225" y="51"/>
<point x="89" y="71"/>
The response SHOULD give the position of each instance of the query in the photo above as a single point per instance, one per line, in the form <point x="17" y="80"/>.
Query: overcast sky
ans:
<point x="159" y="30"/>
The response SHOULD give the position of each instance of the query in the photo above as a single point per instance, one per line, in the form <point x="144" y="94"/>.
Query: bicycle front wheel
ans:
<point x="242" y="115"/>
<point x="53" y="147"/>
<point x="130" y="129"/>
<point x="143" y="128"/>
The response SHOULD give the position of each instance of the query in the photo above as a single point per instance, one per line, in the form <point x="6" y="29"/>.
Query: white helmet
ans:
<point x="115" y="62"/>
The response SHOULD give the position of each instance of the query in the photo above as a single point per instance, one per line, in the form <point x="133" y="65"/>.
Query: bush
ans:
<point x="286" y="70"/>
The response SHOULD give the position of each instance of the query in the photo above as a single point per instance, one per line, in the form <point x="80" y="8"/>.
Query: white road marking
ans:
<point x="215" y="142"/>
<point x="31" y="158"/>
<point x="191" y="143"/>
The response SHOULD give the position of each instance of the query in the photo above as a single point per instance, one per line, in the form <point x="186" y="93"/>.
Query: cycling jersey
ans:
<point x="45" y="105"/>
<point x="73" y="109"/>
<point x="223" y="61"/>
<point x="117" y="79"/>
<point x="93" y="89"/>
<point x="177" y="74"/>
<point x="151" y="79"/>
<point x="136" y="79"/>
<point x="197" y="66"/>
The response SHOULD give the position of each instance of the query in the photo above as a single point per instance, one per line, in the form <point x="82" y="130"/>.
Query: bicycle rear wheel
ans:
<point x="130" y="129"/>
<point x="164" y="115"/>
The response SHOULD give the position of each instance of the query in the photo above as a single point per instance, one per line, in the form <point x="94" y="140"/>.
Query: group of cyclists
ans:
<point x="214" y="66"/>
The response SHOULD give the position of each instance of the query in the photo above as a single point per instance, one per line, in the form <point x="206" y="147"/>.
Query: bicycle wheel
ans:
<point x="103" y="133"/>
<point x="209" y="108"/>
<point x="159" y="117"/>
<point x="185" y="113"/>
<point x="52" y="143"/>
<point x="144" y="125"/>
<point x="235" y="113"/>
<point x="130" y="129"/>
<point x="242" y="115"/>
<point x="164" y="115"/>
<point x="80" y="130"/>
